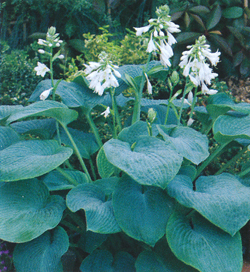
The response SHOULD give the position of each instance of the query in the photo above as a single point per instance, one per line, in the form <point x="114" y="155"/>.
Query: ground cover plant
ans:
<point x="136" y="198"/>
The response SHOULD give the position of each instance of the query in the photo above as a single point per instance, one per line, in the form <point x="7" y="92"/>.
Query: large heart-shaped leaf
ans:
<point x="42" y="254"/>
<point x="62" y="180"/>
<point x="142" y="212"/>
<point x="105" y="168"/>
<point x="102" y="260"/>
<point x="151" y="162"/>
<point x="222" y="199"/>
<point x="7" y="137"/>
<point x="228" y="128"/>
<point x="6" y="111"/>
<point x="29" y="159"/>
<point x="200" y="244"/>
<point x="161" y="259"/>
<point x="44" y="128"/>
<point x="221" y="103"/>
<point x="27" y="210"/>
<point x="132" y="133"/>
<point x="46" y="108"/>
<point x="190" y="143"/>
<point x="72" y="94"/>
<point x="85" y="142"/>
<point x="99" y="212"/>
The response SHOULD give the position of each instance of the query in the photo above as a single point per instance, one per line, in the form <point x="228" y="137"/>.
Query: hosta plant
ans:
<point x="118" y="181"/>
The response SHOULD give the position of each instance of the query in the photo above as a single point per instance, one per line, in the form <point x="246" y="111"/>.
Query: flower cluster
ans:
<point x="101" y="74"/>
<point x="161" y="38"/>
<point x="195" y="66"/>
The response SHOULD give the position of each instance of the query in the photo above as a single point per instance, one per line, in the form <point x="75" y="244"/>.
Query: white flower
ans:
<point x="149" y="86"/>
<point x="41" y="69"/>
<point x="172" y="27"/>
<point x="190" y="98"/>
<point x="106" y="112"/>
<point x="195" y="66"/>
<point x="190" y="121"/>
<point x="101" y="74"/>
<point x="41" y="51"/>
<point x="140" y="30"/>
<point x="45" y="94"/>
<point x="41" y="42"/>
<point x="151" y="46"/>
<point x="60" y="57"/>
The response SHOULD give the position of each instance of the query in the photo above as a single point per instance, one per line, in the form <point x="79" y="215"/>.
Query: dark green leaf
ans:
<point x="214" y="17"/>
<point x="232" y="12"/>
<point x="151" y="162"/>
<point x="29" y="159"/>
<point x="142" y="212"/>
<point x="43" y="254"/>
<point x="233" y="210"/>
<point x="200" y="244"/>
<point x="27" y="210"/>
<point x="99" y="212"/>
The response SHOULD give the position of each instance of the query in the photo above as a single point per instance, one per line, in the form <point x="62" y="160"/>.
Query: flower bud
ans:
<point x="60" y="57"/>
<point x="52" y="31"/>
<point x="175" y="78"/>
<point x="151" y="115"/>
<point x="41" y="51"/>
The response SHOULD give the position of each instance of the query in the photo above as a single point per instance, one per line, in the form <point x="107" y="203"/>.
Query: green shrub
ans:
<point x="18" y="78"/>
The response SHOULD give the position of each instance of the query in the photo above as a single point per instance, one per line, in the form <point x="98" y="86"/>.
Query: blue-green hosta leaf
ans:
<point x="161" y="259"/>
<point x="90" y="241"/>
<point x="107" y="184"/>
<point x="99" y="212"/>
<point x="27" y="210"/>
<point x="102" y="260"/>
<point x="6" y="111"/>
<point x="105" y="168"/>
<point x="46" y="108"/>
<point x="132" y="133"/>
<point x="221" y="199"/>
<point x="151" y="162"/>
<point x="85" y="142"/>
<point x="42" y="254"/>
<point x="29" y="159"/>
<point x="190" y="143"/>
<point x="56" y="181"/>
<point x="142" y="212"/>
<point x="72" y="94"/>
<point x="221" y="103"/>
<point x="228" y="128"/>
<point x="7" y="137"/>
<point x="200" y="244"/>
<point x="44" y="128"/>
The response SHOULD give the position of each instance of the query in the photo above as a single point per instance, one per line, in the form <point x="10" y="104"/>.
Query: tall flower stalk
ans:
<point x="160" y="40"/>
<point x="195" y="63"/>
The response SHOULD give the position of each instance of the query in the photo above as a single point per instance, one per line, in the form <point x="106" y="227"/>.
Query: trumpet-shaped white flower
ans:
<point x="195" y="67"/>
<point x="106" y="112"/>
<point x="41" y="69"/>
<point x="161" y="38"/>
<point x="149" y="85"/>
<point x="101" y="74"/>
<point x="45" y="94"/>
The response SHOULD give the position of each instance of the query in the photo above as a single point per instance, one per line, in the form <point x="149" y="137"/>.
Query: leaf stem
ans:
<point x="94" y="129"/>
<point x="92" y="168"/>
<point x="67" y="176"/>
<point x="210" y="158"/>
<point x="193" y="102"/>
<point x="168" y="108"/>
<point x="233" y="160"/>
<point x="77" y="152"/>
<point x="182" y="104"/>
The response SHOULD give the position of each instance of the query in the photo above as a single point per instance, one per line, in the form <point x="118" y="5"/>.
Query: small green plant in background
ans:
<point x="139" y="199"/>
<point x="17" y="77"/>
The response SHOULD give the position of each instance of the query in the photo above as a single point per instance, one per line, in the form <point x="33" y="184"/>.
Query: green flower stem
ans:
<point x="67" y="163"/>
<point x="115" y="108"/>
<point x="67" y="176"/>
<point x="210" y="159"/>
<point x="114" y="113"/>
<point x="77" y="152"/>
<point x="168" y="108"/>
<point x="193" y="103"/>
<point x="182" y="104"/>
<point x="94" y="129"/>
<point x="92" y="168"/>
<point x="138" y="95"/>
<point x="233" y="160"/>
